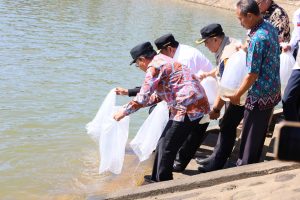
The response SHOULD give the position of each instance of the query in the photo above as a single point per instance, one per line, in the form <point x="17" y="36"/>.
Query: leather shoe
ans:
<point x="203" y="161"/>
<point x="208" y="168"/>
<point x="147" y="180"/>
<point x="203" y="169"/>
<point x="177" y="168"/>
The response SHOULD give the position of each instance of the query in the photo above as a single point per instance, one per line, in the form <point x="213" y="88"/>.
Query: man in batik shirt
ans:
<point x="277" y="16"/>
<point x="172" y="82"/>
<point x="262" y="81"/>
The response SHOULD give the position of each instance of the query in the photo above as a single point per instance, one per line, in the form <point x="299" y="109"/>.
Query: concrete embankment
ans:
<point x="260" y="179"/>
<point x="195" y="187"/>
<point x="289" y="5"/>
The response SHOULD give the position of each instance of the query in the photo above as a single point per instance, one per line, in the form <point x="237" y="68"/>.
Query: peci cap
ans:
<point x="139" y="50"/>
<point x="209" y="31"/>
<point x="165" y="41"/>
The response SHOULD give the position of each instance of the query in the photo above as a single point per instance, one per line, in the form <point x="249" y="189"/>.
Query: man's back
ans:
<point x="192" y="58"/>
<point x="263" y="59"/>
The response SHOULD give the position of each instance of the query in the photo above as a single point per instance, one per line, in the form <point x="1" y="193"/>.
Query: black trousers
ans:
<point x="188" y="150"/>
<point x="254" y="132"/>
<point x="291" y="97"/>
<point x="173" y="137"/>
<point x="226" y="140"/>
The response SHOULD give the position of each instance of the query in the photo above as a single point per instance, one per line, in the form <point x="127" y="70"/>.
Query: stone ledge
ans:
<point x="204" y="180"/>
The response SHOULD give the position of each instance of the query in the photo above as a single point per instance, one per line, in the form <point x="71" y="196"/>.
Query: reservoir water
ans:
<point x="59" y="59"/>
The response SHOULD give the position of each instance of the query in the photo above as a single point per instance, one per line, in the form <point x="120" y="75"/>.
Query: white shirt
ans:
<point x="296" y="36"/>
<point x="296" y="32"/>
<point x="192" y="58"/>
<point x="297" y="64"/>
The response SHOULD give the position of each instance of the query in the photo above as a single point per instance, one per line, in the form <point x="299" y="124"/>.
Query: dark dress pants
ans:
<point x="254" y="132"/>
<point x="190" y="146"/>
<point x="168" y="145"/>
<point x="291" y="97"/>
<point x="228" y="125"/>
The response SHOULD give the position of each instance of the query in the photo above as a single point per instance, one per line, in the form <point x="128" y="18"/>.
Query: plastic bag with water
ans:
<point x="110" y="135"/>
<point x="146" y="139"/>
<point x="287" y="63"/>
<point x="233" y="75"/>
<point x="210" y="86"/>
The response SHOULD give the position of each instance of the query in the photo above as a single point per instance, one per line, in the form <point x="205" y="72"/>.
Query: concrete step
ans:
<point x="188" y="184"/>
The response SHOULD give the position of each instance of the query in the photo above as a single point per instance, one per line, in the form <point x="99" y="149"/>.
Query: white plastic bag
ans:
<point x="146" y="139"/>
<point x="110" y="134"/>
<point x="112" y="144"/>
<point x="287" y="63"/>
<point x="94" y="127"/>
<point x="210" y="86"/>
<point x="233" y="75"/>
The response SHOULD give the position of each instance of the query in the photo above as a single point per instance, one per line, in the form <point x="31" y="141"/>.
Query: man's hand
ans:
<point x="214" y="115"/>
<point x="234" y="99"/>
<point x="285" y="47"/>
<point x="121" y="91"/>
<point x="119" y="115"/>
<point x="203" y="75"/>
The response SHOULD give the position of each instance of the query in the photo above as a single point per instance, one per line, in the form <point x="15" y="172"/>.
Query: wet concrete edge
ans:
<point x="203" y="180"/>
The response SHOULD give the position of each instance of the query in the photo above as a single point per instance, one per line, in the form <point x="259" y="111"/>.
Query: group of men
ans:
<point x="174" y="73"/>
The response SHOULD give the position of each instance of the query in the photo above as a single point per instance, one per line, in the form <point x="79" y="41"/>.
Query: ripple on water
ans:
<point x="58" y="61"/>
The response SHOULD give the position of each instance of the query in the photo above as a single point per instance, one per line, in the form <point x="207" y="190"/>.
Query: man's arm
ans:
<point x="143" y="98"/>
<point x="129" y="92"/>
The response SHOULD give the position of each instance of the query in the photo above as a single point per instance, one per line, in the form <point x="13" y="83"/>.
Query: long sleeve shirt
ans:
<point x="192" y="58"/>
<point x="172" y="82"/>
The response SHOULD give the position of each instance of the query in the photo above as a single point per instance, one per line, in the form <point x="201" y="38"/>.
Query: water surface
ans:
<point x="58" y="61"/>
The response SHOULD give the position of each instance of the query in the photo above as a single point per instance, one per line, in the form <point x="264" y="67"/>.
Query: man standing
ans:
<point x="174" y="83"/>
<point x="223" y="47"/>
<point x="291" y="97"/>
<point x="198" y="63"/>
<point x="262" y="81"/>
<point x="277" y="16"/>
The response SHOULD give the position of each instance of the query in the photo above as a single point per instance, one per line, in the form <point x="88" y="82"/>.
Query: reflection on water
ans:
<point x="58" y="61"/>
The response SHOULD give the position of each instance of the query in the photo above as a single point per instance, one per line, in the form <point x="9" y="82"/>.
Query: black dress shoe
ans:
<point x="203" y="169"/>
<point x="147" y="180"/>
<point x="203" y="161"/>
<point x="177" y="168"/>
<point x="208" y="168"/>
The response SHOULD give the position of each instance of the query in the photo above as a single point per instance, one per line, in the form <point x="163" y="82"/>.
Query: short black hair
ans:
<point x="248" y="6"/>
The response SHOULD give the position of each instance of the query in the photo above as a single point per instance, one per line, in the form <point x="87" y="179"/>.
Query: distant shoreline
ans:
<point x="290" y="6"/>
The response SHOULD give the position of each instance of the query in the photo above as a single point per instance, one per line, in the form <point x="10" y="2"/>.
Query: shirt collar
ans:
<point x="255" y="28"/>
<point x="177" y="52"/>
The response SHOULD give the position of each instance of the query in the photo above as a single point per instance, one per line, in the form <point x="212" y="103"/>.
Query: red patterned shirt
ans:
<point x="172" y="82"/>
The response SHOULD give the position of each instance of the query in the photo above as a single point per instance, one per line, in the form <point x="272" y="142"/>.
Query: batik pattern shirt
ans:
<point x="172" y="82"/>
<point x="263" y="59"/>
<point x="280" y="20"/>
